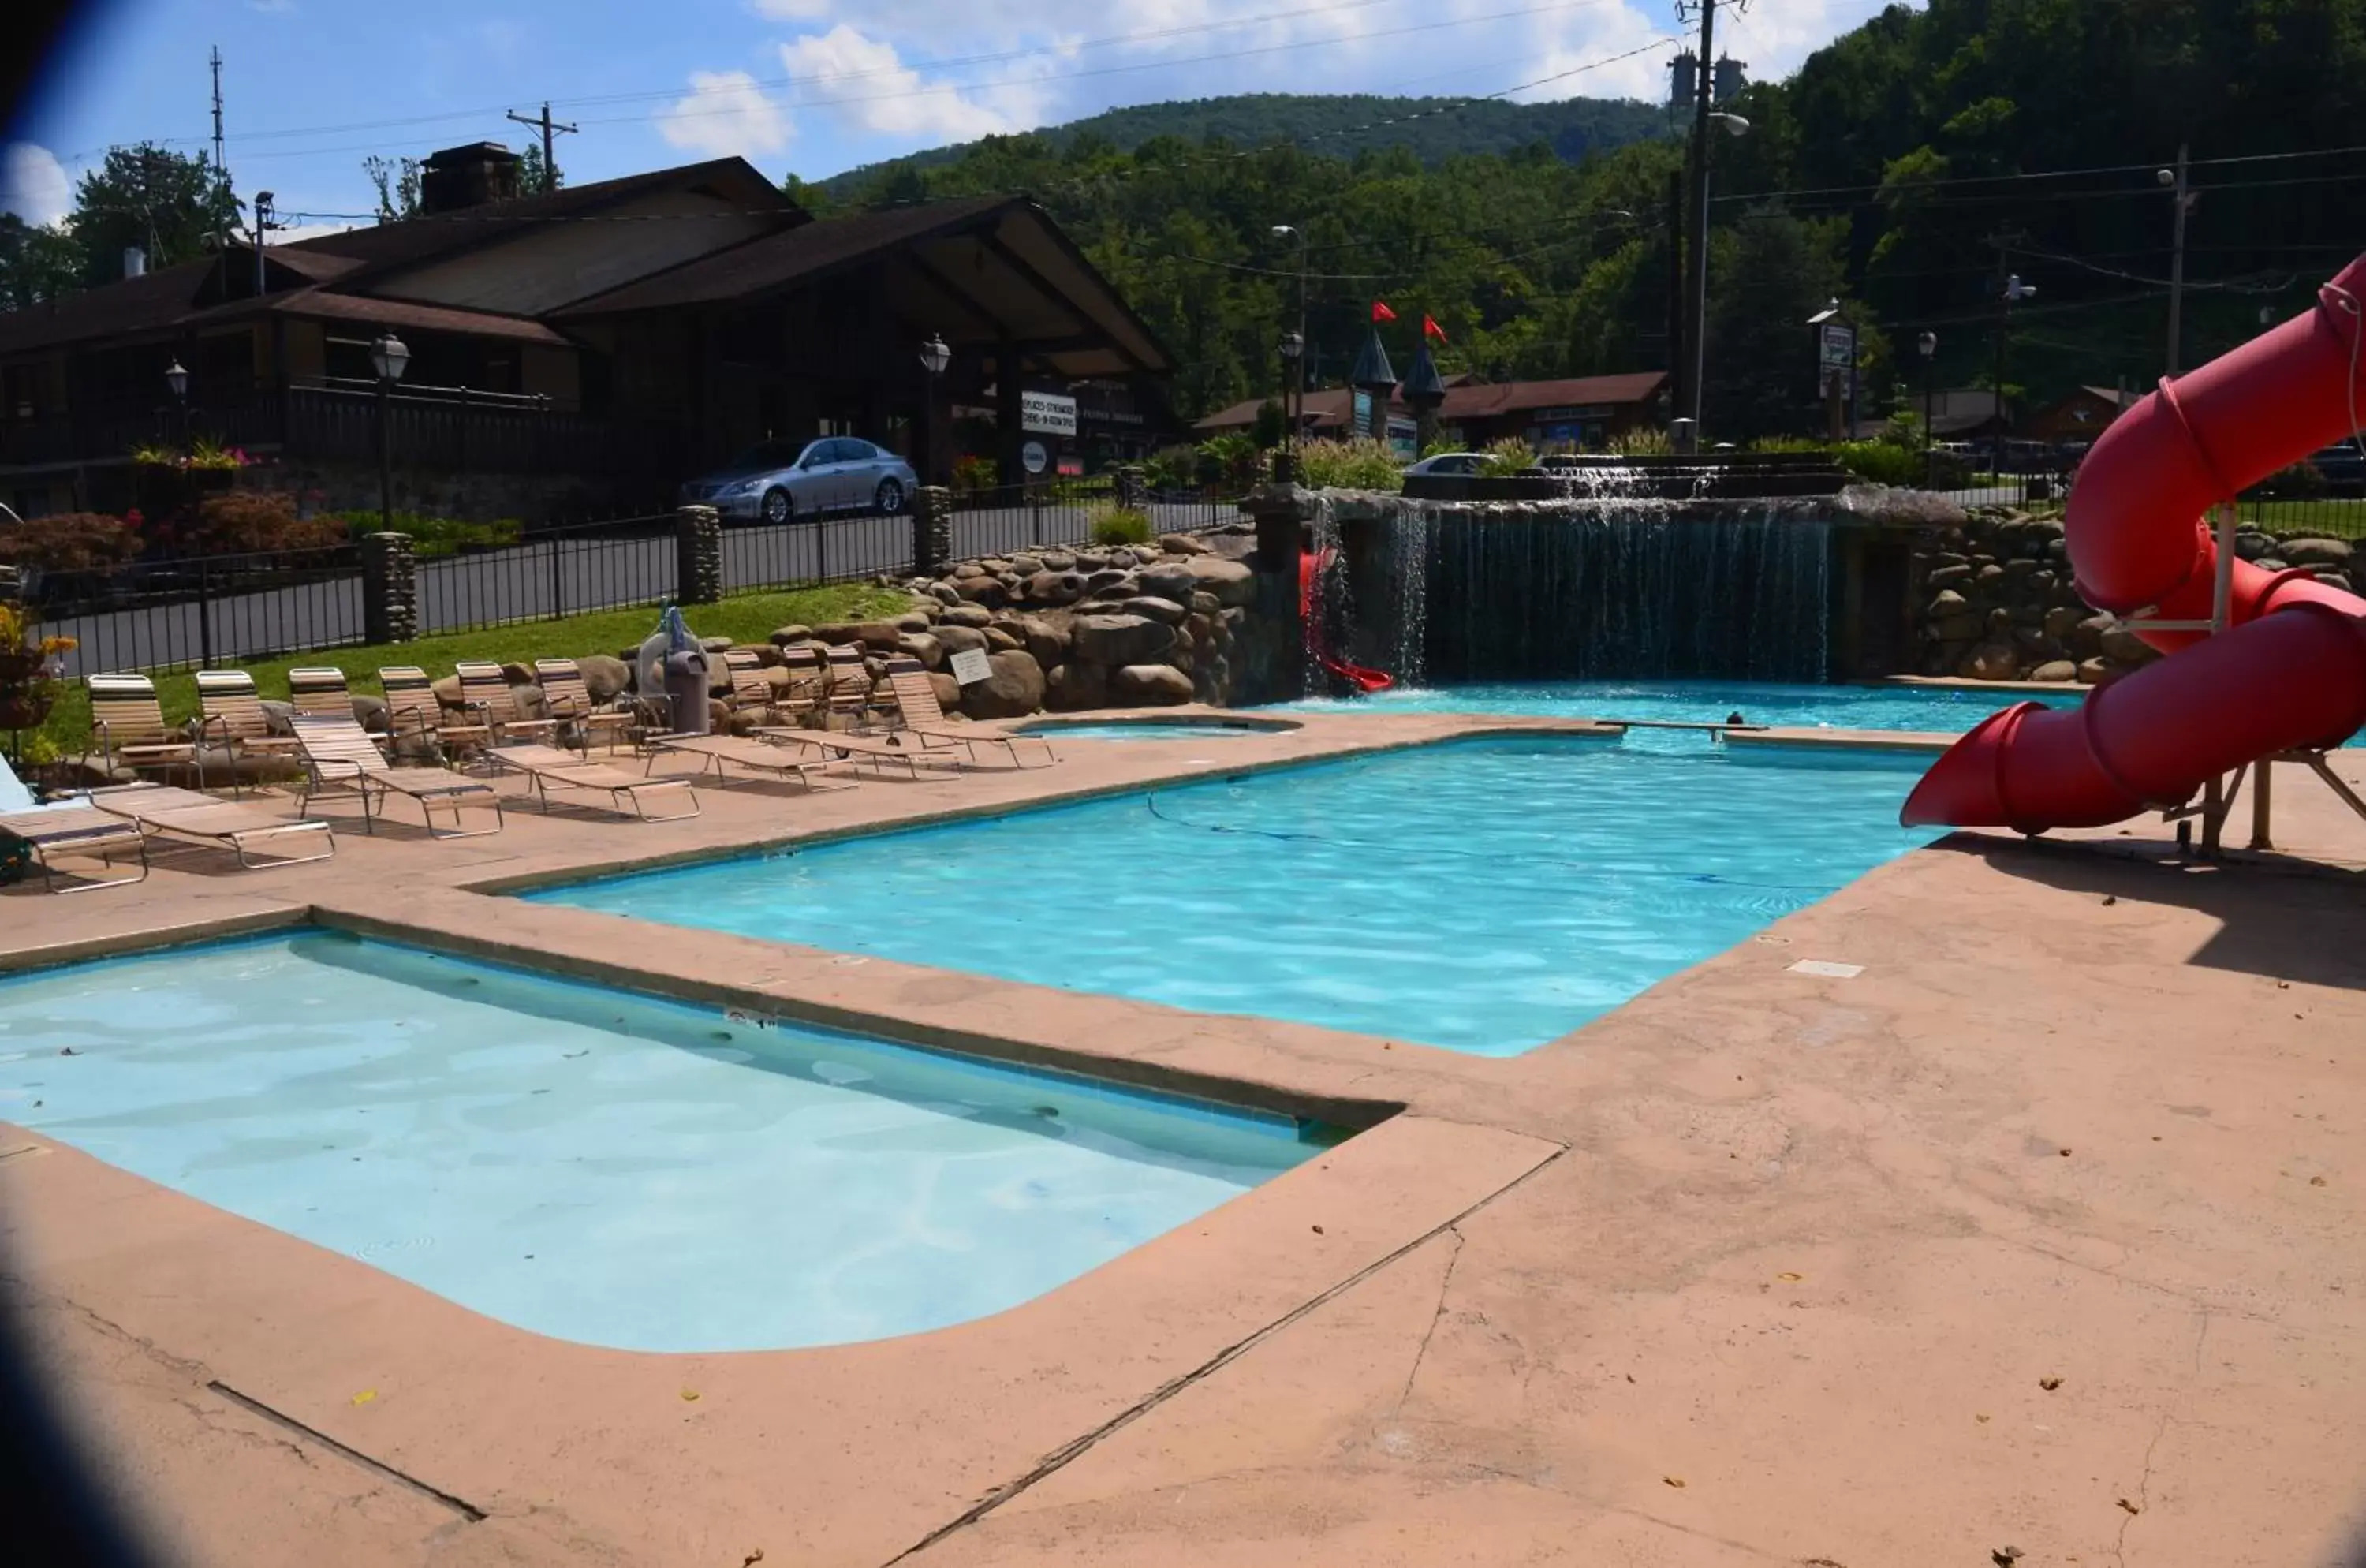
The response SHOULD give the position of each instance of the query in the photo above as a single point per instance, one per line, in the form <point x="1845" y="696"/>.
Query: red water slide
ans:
<point x="2291" y="673"/>
<point x="1311" y="568"/>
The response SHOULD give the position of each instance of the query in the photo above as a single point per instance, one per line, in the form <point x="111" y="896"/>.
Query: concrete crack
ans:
<point x="2144" y="1491"/>
<point x="460" y="1506"/>
<point x="1076" y="1448"/>
<point x="1444" y="1284"/>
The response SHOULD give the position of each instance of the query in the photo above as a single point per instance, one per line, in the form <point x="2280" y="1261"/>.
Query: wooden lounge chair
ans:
<point x="230" y="716"/>
<point x="154" y="808"/>
<point x="488" y="693"/>
<point x="549" y="768"/>
<point x="752" y="692"/>
<point x="48" y="831"/>
<point x="719" y="753"/>
<point x="413" y="708"/>
<point x="320" y="690"/>
<point x="127" y="723"/>
<point x="919" y="715"/>
<point x="565" y="692"/>
<point x="808" y="683"/>
<point x="339" y="755"/>
<point x="849" y="685"/>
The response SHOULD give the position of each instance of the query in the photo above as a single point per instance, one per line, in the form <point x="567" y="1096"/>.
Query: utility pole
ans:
<point x="550" y="128"/>
<point x="2183" y="196"/>
<point x="1676" y="361"/>
<point x="222" y="163"/>
<point x="1696" y="249"/>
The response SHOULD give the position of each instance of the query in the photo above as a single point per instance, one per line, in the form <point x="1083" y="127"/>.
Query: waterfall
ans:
<point x="1609" y="588"/>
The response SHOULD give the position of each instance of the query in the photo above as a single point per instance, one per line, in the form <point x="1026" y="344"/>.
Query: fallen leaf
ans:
<point x="2005" y="1556"/>
<point x="1980" y="1418"/>
<point x="2131" y="1508"/>
<point x="1675" y="1481"/>
<point x="690" y="1394"/>
<point x="2316" y="1181"/>
<point x="2065" y="1153"/>
<point x="752" y="1558"/>
<point x="2049" y="1384"/>
<point x="1318" y="1230"/>
<point x="365" y="1395"/>
<point x="2110" y="899"/>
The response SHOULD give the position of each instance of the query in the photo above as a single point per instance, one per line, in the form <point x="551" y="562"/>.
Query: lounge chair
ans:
<point x="919" y="715"/>
<point x="486" y="690"/>
<point x="752" y="691"/>
<point x="849" y="685"/>
<point x="808" y="683"/>
<point x="320" y="691"/>
<point x="231" y="714"/>
<point x="549" y="768"/>
<point x="413" y="708"/>
<point x="569" y="698"/>
<point x="719" y="753"/>
<point x="339" y="755"/>
<point x="47" y="832"/>
<point x="127" y="723"/>
<point x="878" y="751"/>
<point x="154" y="808"/>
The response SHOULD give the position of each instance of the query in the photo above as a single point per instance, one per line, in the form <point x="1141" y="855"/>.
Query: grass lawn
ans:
<point x="2333" y="517"/>
<point x="749" y="617"/>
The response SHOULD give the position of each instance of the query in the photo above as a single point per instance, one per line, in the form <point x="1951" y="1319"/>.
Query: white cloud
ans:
<point x="33" y="184"/>
<point x="790" y="11"/>
<point x="867" y="87"/>
<point x="726" y="113"/>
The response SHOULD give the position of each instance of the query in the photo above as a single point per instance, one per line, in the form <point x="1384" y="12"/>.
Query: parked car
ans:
<point x="775" y="482"/>
<point x="1449" y="463"/>
<point x="2344" y="467"/>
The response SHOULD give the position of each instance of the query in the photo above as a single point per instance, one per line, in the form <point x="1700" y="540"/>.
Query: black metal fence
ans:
<point x="176" y="615"/>
<point x="1065" y="511"/>
<point x="2266" y="509"/>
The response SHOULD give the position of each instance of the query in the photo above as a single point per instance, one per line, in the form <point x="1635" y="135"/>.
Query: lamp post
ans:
<point x="935" y="355"/>
<point x="2012" y="294"/>
<point x="1293" y="396"/>
<point x="1293" y="348"/>
<point x="389" y="358"/>
<point x="1927" y="346"/>
<point x="177" y="379"/>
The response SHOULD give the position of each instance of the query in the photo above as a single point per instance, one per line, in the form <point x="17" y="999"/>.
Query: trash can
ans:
<point x="685" y="684"/>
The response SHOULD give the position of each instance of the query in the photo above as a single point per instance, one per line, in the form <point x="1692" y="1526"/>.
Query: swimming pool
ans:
<point x="1485" y="896"/>
<point x="1935" y="709"/>
<point x="1152" y="729"/>
<point x="604" y="1166"/>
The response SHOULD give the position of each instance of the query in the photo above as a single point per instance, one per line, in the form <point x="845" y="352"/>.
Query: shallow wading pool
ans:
<point x="604" y="1166"/>
<point x="1486" y="896"/>
<point x="1934" y="709"/>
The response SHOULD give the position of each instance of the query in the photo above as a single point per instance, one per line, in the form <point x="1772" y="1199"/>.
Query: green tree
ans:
<point x="536" y="178"/>
<point x="396" y="181"/>
<point x="172" y="206"/>
<point x="36" y="263"/>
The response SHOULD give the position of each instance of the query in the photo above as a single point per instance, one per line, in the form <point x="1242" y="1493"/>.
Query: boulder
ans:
<point x="2088" y="636"/>
<point x="1149" y="685"/>
<point x="1204" y="604"/>
<point x="967" y="568"/>
<point x="448" y="692"/>
<point x="1168" y="610"/>
<point x="1015" y="688"/>
<point x="1073" y="686"/>
<point x="955" y="639"/>
<point x="2055" y="670"/>
<point x="943" y="593"/>
<point x="1108" y="577"/>
<point x="1946" y="603"/>
<point x="2094" y="670"/>
<point x="368" y="712"/>
<point x="1231" y="582"/>
<point x="1088" y="560"/>
<point x="2123" y="646"/>
<point x="1047" y="642"/>
<point x="715" y="645"/>
<point x="915" y="622"/>
<point x="1055" y="588"/>
<point x="517" y="674"/>
<point x="1025" y="565"/>
<point x="783" y="636"/>
<point x="1183" y="544"/>
<point x="278" y="718"/>
<point x="869" y="634"/>
<point x="1001" y="641"/>
<point x="605" y="678"/>
<point x="1121" y="639"/>
<point x="1964" y="628"/>
<point x="1172" y="581"/>
<point x="2061" y="624"/>
<point x="1949" y="576"/>
<point x="948" y="691"/>
<point x="1991" y="661"/>
<point x="977" y="616"/>
<point x="924" y="647"/>
<point x="2271" y="563"/>
<point x="1058" y="560"/>
<point x="767" y="654"/>
<point x="2334" y="553"/>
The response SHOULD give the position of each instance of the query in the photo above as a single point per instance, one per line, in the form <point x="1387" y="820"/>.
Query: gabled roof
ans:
<point x="1477" y="401"/>
<point x="136" y="304"/>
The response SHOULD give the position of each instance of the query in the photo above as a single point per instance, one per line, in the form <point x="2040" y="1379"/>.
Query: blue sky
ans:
<point x="809" y="86"/>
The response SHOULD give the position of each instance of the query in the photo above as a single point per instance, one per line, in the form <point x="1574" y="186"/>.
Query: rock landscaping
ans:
<point x="1996" y="600"/>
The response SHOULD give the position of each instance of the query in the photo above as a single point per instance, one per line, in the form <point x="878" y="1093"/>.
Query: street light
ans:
<point x="1927" y="346"/>
<point x="1735" y="125"/>
<point x="1293" y="394"/>
<point x="177" y="379"/>
<point x="935" y="355"/>
<point x="389" y="358"/>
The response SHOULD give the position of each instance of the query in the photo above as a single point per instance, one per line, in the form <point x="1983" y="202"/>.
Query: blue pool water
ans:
<point x="1150" y="731"/>
<point x="1809" y="707"/>
<point x="1486" y="896"/>
<point x="602" y="1167"/>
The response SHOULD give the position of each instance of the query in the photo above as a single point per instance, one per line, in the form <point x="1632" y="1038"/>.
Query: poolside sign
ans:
<point x="970" y="666"/>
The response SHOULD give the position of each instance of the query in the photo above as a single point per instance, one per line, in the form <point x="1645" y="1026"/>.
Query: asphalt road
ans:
<point x="542" y="580"/>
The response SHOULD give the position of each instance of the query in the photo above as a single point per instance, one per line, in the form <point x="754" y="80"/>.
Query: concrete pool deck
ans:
<point x="1764" y="1267"/>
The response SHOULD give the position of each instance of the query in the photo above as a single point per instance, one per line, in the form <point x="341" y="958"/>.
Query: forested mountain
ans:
<point x="1344" y="124"/>
<point x="1906" y="167"/>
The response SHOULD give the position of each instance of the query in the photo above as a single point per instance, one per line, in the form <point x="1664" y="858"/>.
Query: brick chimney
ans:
<point x="467" y="176"/>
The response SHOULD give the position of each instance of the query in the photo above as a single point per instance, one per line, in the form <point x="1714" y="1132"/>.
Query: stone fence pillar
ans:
<point x="698" y="555"/>
<point x="1270" y="663"/>
<point x="389" y="589"/>
<point x="933" y="529"/>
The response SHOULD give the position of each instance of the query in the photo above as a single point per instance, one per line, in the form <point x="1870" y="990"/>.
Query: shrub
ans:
<point x="1506" y="456"/>
<point x="1644" y="443"/>
<point x="1232" y="461"/>
<point x="1880" y="462"/>
<point x="244" y="521"/>
<point x="1783" y="444"/>
<point x="971" y="473"/>
<point x="1122" y="526"/>
<point x="1358" y="463"/>
<point x="2302" y="482"/>
<point x="432" y="537"/>
<point x="70" y="541"/>
<point x="1171" y="467"/>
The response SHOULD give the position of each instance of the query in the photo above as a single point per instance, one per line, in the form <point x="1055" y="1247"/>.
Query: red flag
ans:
<point x="1429" y="328"/>
<point x="1380" y="312"/>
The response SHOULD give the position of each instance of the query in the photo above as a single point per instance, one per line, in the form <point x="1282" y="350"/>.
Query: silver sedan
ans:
<point x="775" y="482"/>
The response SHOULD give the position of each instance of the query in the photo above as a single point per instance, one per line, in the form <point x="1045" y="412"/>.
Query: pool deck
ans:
<point x="2039" y="1231"/>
